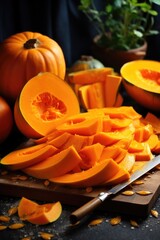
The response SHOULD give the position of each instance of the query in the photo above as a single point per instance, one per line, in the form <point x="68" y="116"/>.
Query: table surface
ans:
<point x="149" y="227"/>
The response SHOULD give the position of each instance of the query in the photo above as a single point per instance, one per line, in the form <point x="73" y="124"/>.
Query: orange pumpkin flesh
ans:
<point x="23" y="56"/>
<point x="104" y="155"/>
<point x="23" y="158"/>
<point x="55" y="165"/>
<point x="45" y="101"/>
<point x="96" y="175"/>
<point x="6" y="120"/>
<point x="141" y="81"/>
<point x="39" y="214"/>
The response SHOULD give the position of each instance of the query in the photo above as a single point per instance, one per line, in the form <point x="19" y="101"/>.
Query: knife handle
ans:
<point x="84" y="210"/>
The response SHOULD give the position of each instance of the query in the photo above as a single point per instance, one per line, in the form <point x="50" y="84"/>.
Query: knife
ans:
<point x="97" y="201"/>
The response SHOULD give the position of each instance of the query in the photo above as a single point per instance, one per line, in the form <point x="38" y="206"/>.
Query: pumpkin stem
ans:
<point x="31" y="43"/>
<point x="86" y="58"/>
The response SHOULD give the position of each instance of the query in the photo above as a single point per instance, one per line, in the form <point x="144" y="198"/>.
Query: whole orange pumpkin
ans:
<point x="24" y="55"/>
<point x="6" y="120"/>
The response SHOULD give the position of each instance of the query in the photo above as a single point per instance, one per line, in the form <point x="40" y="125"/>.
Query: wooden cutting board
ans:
<point x="12" y="185"/>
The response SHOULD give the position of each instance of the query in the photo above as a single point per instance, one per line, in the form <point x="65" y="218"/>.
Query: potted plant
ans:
<point x="122" y="27"/>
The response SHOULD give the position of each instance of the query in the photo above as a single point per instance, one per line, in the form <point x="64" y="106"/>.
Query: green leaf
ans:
<point x="156" y="2"/>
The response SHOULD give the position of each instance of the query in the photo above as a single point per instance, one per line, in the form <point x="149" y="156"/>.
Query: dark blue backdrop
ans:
<point x="60" y="20"/>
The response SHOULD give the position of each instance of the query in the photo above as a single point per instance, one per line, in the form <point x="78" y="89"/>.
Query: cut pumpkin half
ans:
<point x="45" y="101"/>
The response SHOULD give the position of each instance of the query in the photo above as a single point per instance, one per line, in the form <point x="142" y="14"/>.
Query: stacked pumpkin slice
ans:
<point x="100" y="147"/>
<point x="97" y="88"/>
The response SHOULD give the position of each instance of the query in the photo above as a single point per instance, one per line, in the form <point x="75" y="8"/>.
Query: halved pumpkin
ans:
<point x="141" y="80"/>
<point x="45" y="101"/>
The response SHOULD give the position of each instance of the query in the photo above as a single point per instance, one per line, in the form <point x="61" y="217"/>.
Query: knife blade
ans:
<point x="97" y="201"/>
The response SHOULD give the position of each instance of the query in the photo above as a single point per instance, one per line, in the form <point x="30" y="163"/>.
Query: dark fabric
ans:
<point x="60" y="20"/>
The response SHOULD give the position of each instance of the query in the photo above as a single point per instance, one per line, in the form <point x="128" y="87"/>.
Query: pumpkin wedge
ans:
<point x="94" y="176"/>
<point x="38" y="214"/>
<point x="128" y="162"/>
<point x="120" y="176"/>
<point x="56" y="165"/>
<point x="96" y="95"/>
<point x="117" y="112"/>
<point x="87" y="127"/>
<point x="26" y="157"/>
<point x="90" y="155"/>
<point x="111" y="88"/>
<point x="46" y="213"/>
<point x="45" y="101"/>
<point x="89" y="76"/>
<point x="26" y="207"/>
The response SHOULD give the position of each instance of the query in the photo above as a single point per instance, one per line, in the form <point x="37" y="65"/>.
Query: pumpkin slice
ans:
<point x="78" y="142"/>
<point x="83" y="96"/>
<point x="110" y="152"/>
<point x="111" y="88"/>
<point x="39" y="214"/>
<point x="142" y="134"/>
<point x="59" y="141"/>
<point x="94" y="176"/>
<point x="119" y="112"/>
<point x="96" y="95"/>
<point x="87" y="127"/>
<point x="46" y="213"/>
<point x="154" y="121"/>
<point x="152" y="141"/>
<point x="120" y="176"/>
<point x="144" y="155"/>
<point x="89" y="76"/>
<point x="26" y="157"/>
<point x="55" y="165"/>
<point x="90" y="155"/>
<point x="109" y="138"/>
<point x="135" y="146"/>
<point x="49" y="101"/>
<point x="26" y="207"/>
<point x="128" y="162"/>
<point x="118" y="123"/>
<point x="121" y="156"/>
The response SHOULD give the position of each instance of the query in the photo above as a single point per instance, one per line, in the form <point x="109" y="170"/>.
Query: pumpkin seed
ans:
<point x="26" y="238"/>
<point x="14" y="178"/>
<point x="22" y="178"/>
<point x="46" y="236"/>
<point x="4" y="218"/>
<point x="115" y="221"/>
<point x="89" y="189"/>
<point x="2" y="227"/>
<point x="128" y="193"/>
<point x="143" y="192"/>
<point x="96" y="222"/>
<point x="46" y="183"/>
<point x="154" y="213"/>
<point x="16" y="225"/>
<point x="12" y="211"/>
<point x="134" y="223"/>
<point x="138" y="182"/>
